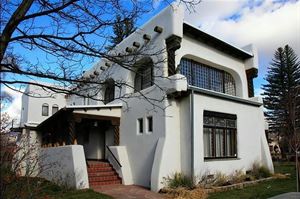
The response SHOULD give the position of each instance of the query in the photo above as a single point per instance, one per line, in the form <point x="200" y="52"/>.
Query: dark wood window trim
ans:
<point x="144" y="74"/>
<point x="211" y="127"/>
<point x="109" y="94"/>
<point x="45" y="109"/>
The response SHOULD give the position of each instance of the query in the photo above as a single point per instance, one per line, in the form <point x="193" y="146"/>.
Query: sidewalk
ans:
<point x="291" y="195"/>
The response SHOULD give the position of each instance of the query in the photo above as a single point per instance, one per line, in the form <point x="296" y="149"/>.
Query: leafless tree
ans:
<point x="71" y="35"/>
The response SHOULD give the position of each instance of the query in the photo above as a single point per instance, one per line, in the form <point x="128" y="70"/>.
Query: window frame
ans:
<point x="109" y="93"/>
<point x="45" y="105"/>
<point x="208" y="76"/>
<point x="141" y="74"/>
<point x="54" y="106"/>
<point x="225" y="130"/>
<point x="140" y="126"/>
<point x="149" y="130"/>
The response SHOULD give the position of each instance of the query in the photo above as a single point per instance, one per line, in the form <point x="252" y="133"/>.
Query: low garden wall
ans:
<point x="64" y="165"/>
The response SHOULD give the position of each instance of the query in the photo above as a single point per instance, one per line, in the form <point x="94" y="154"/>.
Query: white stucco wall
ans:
<point x="65" y="165"/>
<point x="32" y="106"/>
<point x="250" y="133"/>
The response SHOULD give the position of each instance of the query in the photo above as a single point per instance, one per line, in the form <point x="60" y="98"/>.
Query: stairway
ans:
<point x="102" y="173"/>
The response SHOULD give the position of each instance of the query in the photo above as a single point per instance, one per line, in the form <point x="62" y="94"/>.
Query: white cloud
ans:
<point x="268" y="25"/>
<point x="14" y="108"/>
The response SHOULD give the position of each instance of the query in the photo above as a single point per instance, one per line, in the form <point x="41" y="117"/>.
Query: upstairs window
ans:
<point x="45" y="109"/>
<point x="109" y="94"/>
<point x="54" y="108"/>
<point x="219" y="135"/>
<point x="140" y="126"/>
<point x="143" y="74"/>
<point x="203" y="76"/>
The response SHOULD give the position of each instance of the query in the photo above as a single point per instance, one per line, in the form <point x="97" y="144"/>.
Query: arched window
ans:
<point x="45" y="109"/>
<point x="54" y="108"/>
<point x="204" y="76"/>
<point x="144" y="74"/>
<point x="109" y="94"/>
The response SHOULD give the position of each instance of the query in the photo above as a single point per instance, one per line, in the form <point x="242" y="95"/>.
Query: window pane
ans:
<point x="219" y="135"/>
<point x="147" y="77"/>
<point x="203" y="76"/>
<point x="229" y="84"/>
<point x="54" y="109"/>
<point x="230" y="143"/>
<point x="185" y="69"/>
<point x="208" y="142"/>
<point x="221" y="122"/>
<point x="216" y="80"/>
<point x="231" y="123"/>
<point x="150" y="124"/>
<point x="209" y="121"/>
<point x="219" y="142"/>
<point x="45" y="110"/>
<point x="140" y="125"/>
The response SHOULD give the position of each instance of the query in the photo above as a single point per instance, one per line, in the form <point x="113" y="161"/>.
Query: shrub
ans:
<point x="258" y="171"/>
<point x="179" y="180"/>
<point x="238" y="176"/>
<point x="221" y="179"/>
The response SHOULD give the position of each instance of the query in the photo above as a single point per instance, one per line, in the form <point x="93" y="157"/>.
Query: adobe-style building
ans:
<point x="203" y="115"/>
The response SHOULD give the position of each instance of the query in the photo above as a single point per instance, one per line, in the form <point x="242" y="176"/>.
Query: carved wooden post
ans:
<point x="116" y="126"/>
<point x="71" y="129"/>
<point x="251" y="74"/>
<point x="173" y="43"/>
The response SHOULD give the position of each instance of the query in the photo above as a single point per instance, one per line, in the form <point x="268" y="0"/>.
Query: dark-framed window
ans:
<point x="219" y="135"/>
<point x="150" y="124"/>
<point x="143" y="74"/>
<point x="204" y="76"/>
<point x="109" y="94"/>
<point x="45" y="109"/>
<point x="54" y="108"/>
<point x="140" y="125"/>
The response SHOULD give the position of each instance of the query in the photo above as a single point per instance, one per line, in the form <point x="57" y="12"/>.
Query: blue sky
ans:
<point x="265" y="23"/>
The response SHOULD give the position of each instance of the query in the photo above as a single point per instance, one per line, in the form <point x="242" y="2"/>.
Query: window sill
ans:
<point x="221" y="159"/>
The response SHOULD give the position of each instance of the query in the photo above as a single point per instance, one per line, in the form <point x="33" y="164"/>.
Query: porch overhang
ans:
<point x="64" y="121"/>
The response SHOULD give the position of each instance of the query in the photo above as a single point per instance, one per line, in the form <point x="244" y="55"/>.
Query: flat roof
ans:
<point x="215" y="42"/>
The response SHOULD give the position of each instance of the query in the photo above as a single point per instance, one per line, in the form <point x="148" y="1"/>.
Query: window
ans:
<point x="109" y="94"/>
<point x="219" y="135"/>
<point x="203" y="76"/>
<point x="150" y="124"/>
<point x="140" y="125"/>
<point x="144" y="74"/>
<point x="45" y="109"/>
<point x="54" y="108"/>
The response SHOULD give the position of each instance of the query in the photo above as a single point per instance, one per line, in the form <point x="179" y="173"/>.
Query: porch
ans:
<point x="83" y="142"/>
<point x="93" y="127"/>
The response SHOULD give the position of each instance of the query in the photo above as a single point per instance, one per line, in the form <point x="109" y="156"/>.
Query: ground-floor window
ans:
<point x="220" y="135"/>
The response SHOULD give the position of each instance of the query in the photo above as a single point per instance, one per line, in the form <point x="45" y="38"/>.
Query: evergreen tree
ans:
<point x="280" y="93"/>
<point x="122" y="28"/>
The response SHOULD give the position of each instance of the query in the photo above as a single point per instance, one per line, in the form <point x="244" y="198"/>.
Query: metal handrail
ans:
<point x="114" y="157"/>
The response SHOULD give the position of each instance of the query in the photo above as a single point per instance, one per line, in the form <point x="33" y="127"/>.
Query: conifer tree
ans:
<point x="280" y="94"/>
<point x="122" y="28"/>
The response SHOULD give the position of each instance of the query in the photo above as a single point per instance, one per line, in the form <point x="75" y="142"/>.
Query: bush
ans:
<point x="259" y="172"/>
<point x="179" y="180"/>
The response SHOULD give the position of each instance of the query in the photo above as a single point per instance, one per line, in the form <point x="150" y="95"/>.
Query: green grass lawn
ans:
<point x="264" y="189"/>
<point x="36" y="188"/>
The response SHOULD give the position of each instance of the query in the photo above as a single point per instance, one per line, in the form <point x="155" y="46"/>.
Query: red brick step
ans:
<point x="102" y="173"/>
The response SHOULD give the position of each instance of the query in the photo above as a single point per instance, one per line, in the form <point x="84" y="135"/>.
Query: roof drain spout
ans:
<point x="192" y="132"/>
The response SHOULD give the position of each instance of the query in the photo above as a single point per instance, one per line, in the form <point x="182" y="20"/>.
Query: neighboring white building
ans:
<point x="205" y="119"/>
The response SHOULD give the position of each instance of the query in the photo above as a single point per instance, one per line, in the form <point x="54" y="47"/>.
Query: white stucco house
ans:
<point x="204" y="116"/>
